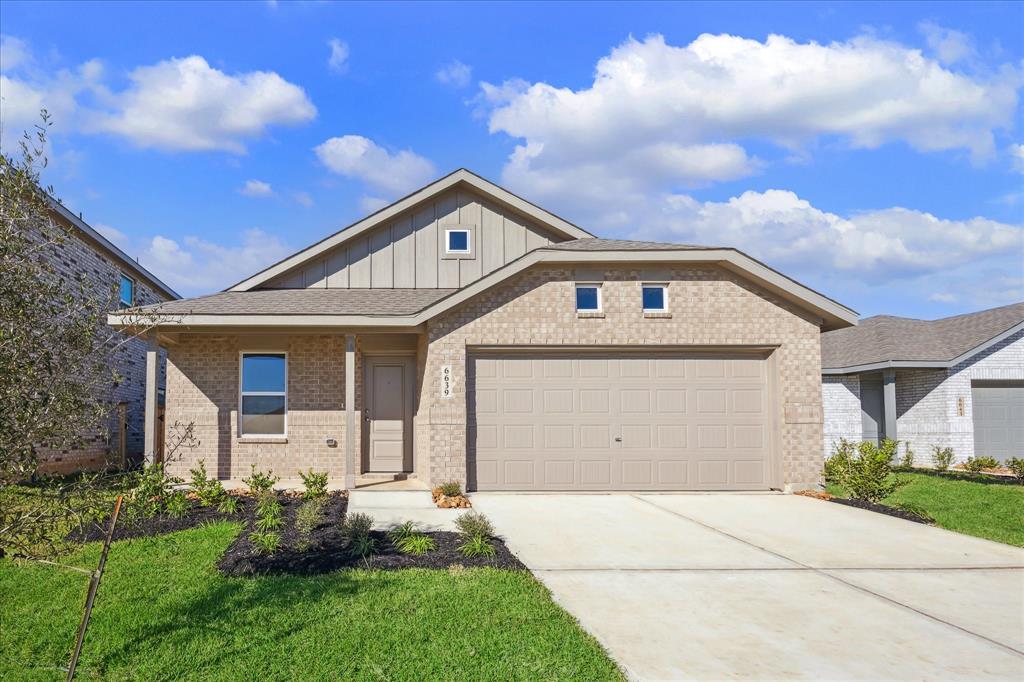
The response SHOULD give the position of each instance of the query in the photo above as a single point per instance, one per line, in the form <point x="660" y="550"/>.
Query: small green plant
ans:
<point x="1016" y="467"/>
<point x="151" y="489"/>
<point x="209" y="491"/>
<point x="976" y="464"/>
<point x="866" y="471"/>
<point x="907" y="460"/>
<point x="269" y="512"/>
<point x="308" y="516"/>
<point x="475" y="546"/>
<point x="402" y="531"/>
<point x="176" y="505"/>
<point x="474" y="524"/>
<point x="943" y="457"/>
<point x="228" y="505"/>
<point x="356" y="531"/>
<point x="315" y="483"/>
<point x="265" y="542"/>
<point x="259" y="482"/>
<point x="842" y="452"/>
<point x="363" y="547"/>
<point x="408" y="540"/>
<point x="450" y="488"/>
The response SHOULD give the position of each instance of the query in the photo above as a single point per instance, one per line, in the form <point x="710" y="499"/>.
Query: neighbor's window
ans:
<point x="457" y="241"/>
<point x="655" y="298"/>
<point x="127" y="290"/>
<point x="264" y="395"/>
<point x="588" y="298"/>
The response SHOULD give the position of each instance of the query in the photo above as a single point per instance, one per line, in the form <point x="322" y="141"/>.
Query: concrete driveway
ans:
<point x="766" y="586"/>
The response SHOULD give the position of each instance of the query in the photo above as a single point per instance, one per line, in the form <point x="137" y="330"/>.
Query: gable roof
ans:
<point x="105" y="244"/>
<point x="462" y="176"/>
<point x="887" y="341"/>
<point x="229" y="309"/>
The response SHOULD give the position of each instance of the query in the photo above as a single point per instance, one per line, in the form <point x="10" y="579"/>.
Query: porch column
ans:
<point x="152" y="386"/>
<point x="350" y="411"/>
<point x="889" y="402"/>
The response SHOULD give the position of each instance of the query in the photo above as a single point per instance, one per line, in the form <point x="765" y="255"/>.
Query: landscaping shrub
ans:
<point x="841" y="453"/>
<point x="176" y="505"/>
<point x="943" y="457"/>
<point x="265" y="542"/>
<point x="356" y="531"/>
<point x="408" y="540"/>
<point x="269" y="512"/>
<point x="477" y="545"/>
<point x="307" y="518"/>
<point x="209" y="491"/>
<point x="476" y="531"/>
<point x="866" y="472"/>
<point x="259" y="482"/>
<point x="888" y="449"/>
<point x="151" y="489"/>
<point x="315" y="483"/>
<point x="907" y="461"/>
<point x="1016" y="466"/>
<point x="450" y="488"/>
<point x="228" y="505"/>
<point x="976" y="464"/>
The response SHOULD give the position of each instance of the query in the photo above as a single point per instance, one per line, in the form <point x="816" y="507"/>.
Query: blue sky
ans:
<point x="873" y="151"/>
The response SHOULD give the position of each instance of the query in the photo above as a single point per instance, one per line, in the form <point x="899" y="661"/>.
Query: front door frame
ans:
<point x="409" y="388"/>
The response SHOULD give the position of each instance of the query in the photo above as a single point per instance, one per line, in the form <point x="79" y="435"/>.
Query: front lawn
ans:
<point x="975" y="505"/>
<point x="164" y="612"/>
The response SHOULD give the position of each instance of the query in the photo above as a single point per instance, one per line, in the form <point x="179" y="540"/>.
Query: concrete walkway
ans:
<point x="390" y="508"/>
<point x="765" y="586"/>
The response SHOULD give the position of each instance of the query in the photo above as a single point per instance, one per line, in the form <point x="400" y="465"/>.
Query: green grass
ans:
<point x="975" y="505"/>
<point x="164" y="613"/>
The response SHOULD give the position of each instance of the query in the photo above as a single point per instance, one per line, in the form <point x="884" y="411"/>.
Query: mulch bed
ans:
<point x="160" y="525"/>
<point x="327" y="550"/>
<point x="904" y="514"/>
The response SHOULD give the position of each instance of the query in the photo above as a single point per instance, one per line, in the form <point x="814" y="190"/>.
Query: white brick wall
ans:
<point x="926" y="401"/>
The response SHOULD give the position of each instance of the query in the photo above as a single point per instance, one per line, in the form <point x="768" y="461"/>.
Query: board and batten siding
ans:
<point x="408" y="252"/>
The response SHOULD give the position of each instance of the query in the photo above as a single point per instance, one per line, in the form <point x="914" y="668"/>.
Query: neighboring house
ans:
<point x="84" y="251"/>
<point x="465" y="334"/>
<point x="956" y="382"/>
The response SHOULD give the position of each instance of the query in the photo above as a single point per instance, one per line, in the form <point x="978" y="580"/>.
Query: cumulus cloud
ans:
<point x="659" y="115"/>
<point x="115" y="235"/>
<point x="186" y="104"/>
<point x="1017" y="157"/>
<point x="338" y="59"/>
<point x="14" y="52"/>
<point x="455" y="74"/>
<point x="195" y="266"/>
<point x="357" y="157"/>
<point x="949" y="45"/>
<point x="256" y="188"/>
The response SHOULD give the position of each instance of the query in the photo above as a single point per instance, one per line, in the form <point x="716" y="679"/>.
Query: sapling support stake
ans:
<point x="94" y="585"/>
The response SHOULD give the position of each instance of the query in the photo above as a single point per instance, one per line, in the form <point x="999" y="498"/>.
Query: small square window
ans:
<point x="127" y="291"/>
<point x="588" y="298"/>
<point x="653" y="297"/>
<point x="458" y="241"/>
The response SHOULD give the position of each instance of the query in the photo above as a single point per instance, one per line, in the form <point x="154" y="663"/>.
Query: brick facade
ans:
<point x="75" y="256"/>
<point x="840" y="399"/>
<point x="927" y="410"/>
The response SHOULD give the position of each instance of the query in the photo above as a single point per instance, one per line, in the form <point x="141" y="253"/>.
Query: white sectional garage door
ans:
<point x="619" y="421"/>
<point x="998" y="408"/>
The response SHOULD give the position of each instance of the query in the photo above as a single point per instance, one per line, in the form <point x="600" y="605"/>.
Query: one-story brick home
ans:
<point x="955" y="382"/>
<point x="464" y="333"/>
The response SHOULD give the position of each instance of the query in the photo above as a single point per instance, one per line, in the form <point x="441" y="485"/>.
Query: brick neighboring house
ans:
<point x="108" y="269"/>
<point x="955" y="382"/>
<point x="464" y="333"/>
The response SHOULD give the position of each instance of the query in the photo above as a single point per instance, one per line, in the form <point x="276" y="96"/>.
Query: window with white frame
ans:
<point x="588" y="298"/>
<point x="457" y="241"/>
<point x="264" y="381"/>
<point x="127" y="290"/>
<point x="654" y="298"/>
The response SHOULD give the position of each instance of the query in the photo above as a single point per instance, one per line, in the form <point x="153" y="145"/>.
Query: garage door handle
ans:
<point x="618" y="439"/>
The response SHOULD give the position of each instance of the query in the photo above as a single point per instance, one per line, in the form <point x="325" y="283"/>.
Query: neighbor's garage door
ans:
<point x="998" y="418"/>
<point x="603" y="421"/>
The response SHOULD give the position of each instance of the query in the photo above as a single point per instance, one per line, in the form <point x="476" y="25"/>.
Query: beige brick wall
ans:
<point x="202" y="388"/>
<point x="709" y="306"/>
<point x="78" y="256"/>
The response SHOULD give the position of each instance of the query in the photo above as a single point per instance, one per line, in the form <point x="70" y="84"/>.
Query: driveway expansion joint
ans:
<point x="826" y="573"/>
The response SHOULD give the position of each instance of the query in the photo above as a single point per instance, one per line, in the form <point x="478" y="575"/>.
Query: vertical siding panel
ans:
<point x="469" y="214"/>
<point x="313" y="276"/>
<point x="382" y="261"/>
<point x="535" y="238"/>
<point x="447" y="208"/>
<point x="337" y="268"/>
<point x="515" y="239"/>
<point x="492" y="239"/>
<point x="424" y="227"/>
<point x="359" y="263"/>
<point x="405" y="253"/>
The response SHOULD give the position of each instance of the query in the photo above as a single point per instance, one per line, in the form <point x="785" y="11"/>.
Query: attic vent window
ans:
<point x="457" y="241"/>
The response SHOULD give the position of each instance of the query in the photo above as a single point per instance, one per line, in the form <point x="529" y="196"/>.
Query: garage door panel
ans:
<point x="600" y="421"/>
<point x="998" y="408"/>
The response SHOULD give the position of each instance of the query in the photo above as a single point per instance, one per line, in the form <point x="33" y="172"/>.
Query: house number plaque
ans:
<point x="446" y="381"/>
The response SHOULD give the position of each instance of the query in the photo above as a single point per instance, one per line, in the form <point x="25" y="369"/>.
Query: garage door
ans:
<point x="998" y="418"/>
<point x="619" y="422"/>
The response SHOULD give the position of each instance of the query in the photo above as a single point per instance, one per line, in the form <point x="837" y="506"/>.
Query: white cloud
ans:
<point x="1017" y="157"/>
<point x="354" y="156"/>
<point x="368" y="204"/>
<point x="115" y="235"/>
<point x="942" y="298"/>
<point x="14" y="52"/>
<point x="256" y="188"/>
<point x="949" y="45"/>
<point x="455" y="74"/>
<point x="338" y="60"/>
<point x="196" y="266"/>
<point x="699" y="102"/>
<point x="185" y="104"/>
<point x="23" y="94"/>
<point x="303" y="199"/>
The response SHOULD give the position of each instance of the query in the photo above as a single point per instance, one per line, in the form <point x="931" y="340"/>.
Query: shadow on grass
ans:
<point x="954" y="475"/>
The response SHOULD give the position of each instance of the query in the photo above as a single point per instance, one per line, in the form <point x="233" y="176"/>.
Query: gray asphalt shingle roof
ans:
<point x="886" y="338"/>
<point x="597" y="244"/>
<point x="306" y="302"/>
